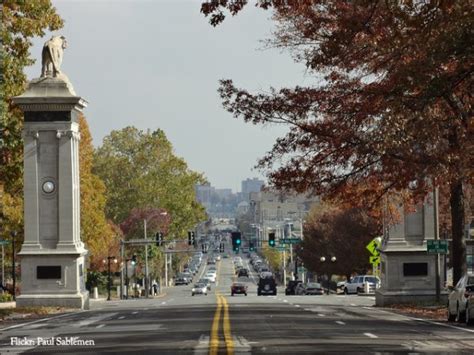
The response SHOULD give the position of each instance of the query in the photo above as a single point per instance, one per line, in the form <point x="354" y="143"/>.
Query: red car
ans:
<point x="238" y="288"/>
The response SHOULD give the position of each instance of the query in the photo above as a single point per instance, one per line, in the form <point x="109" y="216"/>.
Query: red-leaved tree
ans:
<point x="391" y="101"/>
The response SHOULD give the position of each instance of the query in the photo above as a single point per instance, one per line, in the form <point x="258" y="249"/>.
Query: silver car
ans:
<point x="461" y="300"/>
<point x="199" y="289"/>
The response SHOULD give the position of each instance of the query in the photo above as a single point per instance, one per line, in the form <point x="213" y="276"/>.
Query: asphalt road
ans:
<point x="221" y="324"/>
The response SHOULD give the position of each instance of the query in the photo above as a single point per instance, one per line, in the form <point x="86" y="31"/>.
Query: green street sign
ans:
<point x="290" y="241"/>
<point x="437" y="246"/>
<point x="302" y="269"/>
<point x="4" y="242"/>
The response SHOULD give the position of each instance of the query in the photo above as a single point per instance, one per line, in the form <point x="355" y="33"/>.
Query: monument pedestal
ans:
<point x="408" y="272"/>
<point x="52" y="255"/>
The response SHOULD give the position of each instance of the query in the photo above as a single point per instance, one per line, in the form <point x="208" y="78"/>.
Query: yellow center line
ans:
<point x="214" y="342"/>
<point x="229" y="343"/>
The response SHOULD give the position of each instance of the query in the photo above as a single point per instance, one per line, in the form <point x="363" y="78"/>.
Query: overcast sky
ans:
<point x="156" y="64"/>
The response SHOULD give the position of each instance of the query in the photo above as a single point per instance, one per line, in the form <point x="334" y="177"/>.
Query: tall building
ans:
<point x="251" y="185"/>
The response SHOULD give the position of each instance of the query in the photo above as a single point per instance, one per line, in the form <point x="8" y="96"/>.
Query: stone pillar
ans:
<point x="52" y="255"/>
<point x="408" y="272"/>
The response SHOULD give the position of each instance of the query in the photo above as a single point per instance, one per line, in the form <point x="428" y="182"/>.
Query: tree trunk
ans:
<point x="458" y="256"/>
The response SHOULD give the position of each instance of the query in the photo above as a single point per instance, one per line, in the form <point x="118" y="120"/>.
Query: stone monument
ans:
<point x="52" y="254"/>
<point x="408" y="272"/>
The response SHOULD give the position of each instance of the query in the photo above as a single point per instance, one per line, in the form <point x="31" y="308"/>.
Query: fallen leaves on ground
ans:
<point x="427" y="312"/>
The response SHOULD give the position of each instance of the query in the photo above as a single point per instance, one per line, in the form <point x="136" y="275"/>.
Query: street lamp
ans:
<point x="13" y="235"/>
<point x="323" y="259"/>
<point x="109" y="258"/>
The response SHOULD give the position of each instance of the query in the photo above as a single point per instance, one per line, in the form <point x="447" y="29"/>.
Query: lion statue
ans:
<point x="52" y="56"/>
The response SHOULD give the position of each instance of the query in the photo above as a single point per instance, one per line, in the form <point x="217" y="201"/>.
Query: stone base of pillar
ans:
<point x="80" y="300"/>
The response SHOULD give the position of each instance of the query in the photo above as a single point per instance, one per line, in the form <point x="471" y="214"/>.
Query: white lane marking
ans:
<point x="286" y="301"/>
<point x="297" y="305"/>
<point x="134" y="312"/>
<point x="100" y="326"/>
<point x="370" y="335"/>
<point x="91" y="320"/>
<point x="352" y="304"/>
<point x="164" y="302"/>
<point x="307" y="309"/>
<point x="122" y="317"/>
<point x="340" y="322"/>
<point x="321" y="315"/>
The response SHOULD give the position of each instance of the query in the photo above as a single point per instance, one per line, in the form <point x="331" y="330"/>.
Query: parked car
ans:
<point x="199" y="289"/>
<point x="266" y="285"/>
<point x="461" y="300"/>
<point x="291" y="286"/>
<point x="238" y="288"/>
<point x="356" y="284"/>
<point x="313" y="288"/>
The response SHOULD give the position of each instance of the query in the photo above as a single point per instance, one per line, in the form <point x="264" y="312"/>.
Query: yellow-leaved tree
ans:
<point x="100" y="236"/>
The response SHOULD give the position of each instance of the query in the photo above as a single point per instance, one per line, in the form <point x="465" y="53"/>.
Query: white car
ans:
<point x="356" y="284"/>
<point x="199" y="289"/>
<point x="211" y="276"/>
<point x="461" y="300"/>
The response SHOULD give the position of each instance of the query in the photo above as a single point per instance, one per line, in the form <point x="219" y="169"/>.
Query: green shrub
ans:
<point x="6" y="297"/>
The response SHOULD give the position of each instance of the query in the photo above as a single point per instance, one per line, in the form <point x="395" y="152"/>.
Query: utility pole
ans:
<point x="436" y="237"/>
<point x="166" y="269"/>
<point x="13" y="235"/>
<point x="147" y="291"/>
<point x="122" y="259"/>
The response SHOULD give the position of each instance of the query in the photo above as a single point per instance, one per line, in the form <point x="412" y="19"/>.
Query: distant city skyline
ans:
<point x="156" y="64"/>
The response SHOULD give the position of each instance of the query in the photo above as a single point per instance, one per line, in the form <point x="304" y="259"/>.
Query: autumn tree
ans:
<point x="343" y="233"/>
<point x="141" y="171"/>
<point x="133" y="227"/>
<point x="99" y="235"/>
<point x="21" y="21"/>
<point x="391" y="102"/>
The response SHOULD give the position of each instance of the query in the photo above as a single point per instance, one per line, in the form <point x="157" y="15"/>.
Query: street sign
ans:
<point x="4" y="242"/>
<point x="437" y="246"/>
<point x="301" y="269"/>
<point x="290" y="241"/>
<point x="280" y="248"/>
<point x="374" y="260"/>
<point x="373" y="246"/>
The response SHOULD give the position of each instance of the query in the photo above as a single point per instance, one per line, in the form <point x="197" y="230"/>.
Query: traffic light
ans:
<point x="251" y="247"/>
<point x="222" y="248"/>
<point x="159" y="239"/>
<point x="191" y="238"/>
<point x="271" y="239"/>
<point x="236" y="240"/>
